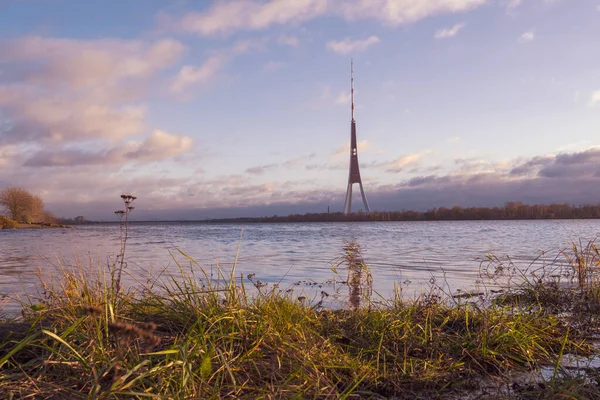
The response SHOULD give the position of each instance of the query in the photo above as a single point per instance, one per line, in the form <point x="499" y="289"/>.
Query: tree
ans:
<point x="21" y="205"/>
<point x="49" y="217"/>
<point x="16" y="201"/>
<point x="36" y="210"/>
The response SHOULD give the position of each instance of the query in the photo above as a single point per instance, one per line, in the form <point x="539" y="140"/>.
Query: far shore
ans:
<point x="42" y="226"/>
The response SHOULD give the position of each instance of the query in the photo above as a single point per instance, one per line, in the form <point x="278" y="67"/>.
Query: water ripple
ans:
<point x="396" y="252"/>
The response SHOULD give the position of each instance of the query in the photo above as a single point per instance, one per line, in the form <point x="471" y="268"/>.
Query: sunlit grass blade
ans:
<point x="68" y="346"/>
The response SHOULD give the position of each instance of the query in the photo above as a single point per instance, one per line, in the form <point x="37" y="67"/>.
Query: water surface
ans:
<point x="405" y="255"/>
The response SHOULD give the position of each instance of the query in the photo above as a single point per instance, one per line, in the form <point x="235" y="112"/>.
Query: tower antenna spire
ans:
<point x="352" y="85"/>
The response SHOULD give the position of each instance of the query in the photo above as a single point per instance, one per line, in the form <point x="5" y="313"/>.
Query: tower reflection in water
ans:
<point x="360" y="281"/>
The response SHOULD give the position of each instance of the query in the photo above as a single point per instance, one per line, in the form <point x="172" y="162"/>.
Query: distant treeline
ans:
<point x="74" y="221"/>
<point x="510" y="211"/>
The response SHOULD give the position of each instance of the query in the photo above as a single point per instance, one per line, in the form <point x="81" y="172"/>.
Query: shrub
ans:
<point x="7" y="223"/>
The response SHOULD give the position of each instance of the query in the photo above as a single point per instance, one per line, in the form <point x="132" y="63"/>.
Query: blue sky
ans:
<point x="230" y="108"/>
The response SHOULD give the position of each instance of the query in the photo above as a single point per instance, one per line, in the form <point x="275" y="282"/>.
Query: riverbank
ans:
<point x="510" y="211"/>
<point x="8" y="223"/>
<point x="42" y="225"/>
<point x="202" y="336"/>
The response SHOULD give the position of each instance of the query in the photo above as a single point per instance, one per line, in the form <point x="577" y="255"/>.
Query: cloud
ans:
<point x="261" y="169"/>
<point x="272" y="65"/>
<point x="512" y="4"/>
<point x="580" y="164"/>
<point x="326" y="98"/>
<point x="62" y="90"/>
<point x="86" y="64"/>
<point x="427" y="180"/>
<point x="449" y="32"/>
<point x="229" y="16"/>
<point x="288" y="40"/>
<point x="574" y="146"/>
<point x="225" y="17"/>
<point x="190" y="76"/>
<point x="574" y="165"/>
<point x="476" y="166"/>
<point x="343" y="98"/>
<point x="328" y="166"/>
<point x="453" y="139"/>
<point x="362" y="145"/>
<point x="158" y="146"/>
<point x="402" y="163"/>
<point x="531" y="166"/>
<point x="594" y="98"/>
<point x="347" y="45"/>
<point x="57" y="116"/>
<point x="298" y="161"/>
<point x="73" y="157"/>
<point x="73" y="118"/>
<point x="7" y="153"/>
<point x="249" y="191"/>
<point x="527" y="37"/>
<point x="401" y="12"/>
<point x="572" y="177"/>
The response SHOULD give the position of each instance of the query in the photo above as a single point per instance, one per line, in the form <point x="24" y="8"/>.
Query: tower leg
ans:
<point x="348" y="203"/>
<point x="362" y="193"/>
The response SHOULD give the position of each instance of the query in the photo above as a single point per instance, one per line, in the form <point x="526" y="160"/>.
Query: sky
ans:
<point x="210" y="109"/>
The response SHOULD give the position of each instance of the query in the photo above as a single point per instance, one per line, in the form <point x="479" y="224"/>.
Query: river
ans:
<point x="406" y="256"/>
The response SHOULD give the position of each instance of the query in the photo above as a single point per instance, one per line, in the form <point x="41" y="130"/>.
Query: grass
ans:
<point x="197" y="336"/>
<point x="567" y="285"/>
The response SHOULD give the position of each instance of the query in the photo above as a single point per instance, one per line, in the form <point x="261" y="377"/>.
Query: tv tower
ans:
<point x="354" y="175"/>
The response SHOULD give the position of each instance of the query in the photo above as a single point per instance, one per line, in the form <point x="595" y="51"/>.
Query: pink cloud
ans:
<point x="81" y="64"/>
<point x="158" y="146"/>
<point x="226" y="17"/>
<point x="71" y="90"/>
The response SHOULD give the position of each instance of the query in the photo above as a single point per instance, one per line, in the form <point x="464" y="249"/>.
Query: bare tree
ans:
<point x="16" y="201"/>
<point x="21" y="205"/>
<point x="49" y="217"/>
<point x="36" y="210"/>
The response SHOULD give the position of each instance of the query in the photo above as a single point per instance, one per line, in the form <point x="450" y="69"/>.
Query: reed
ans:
<point x="566" y="284"/>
